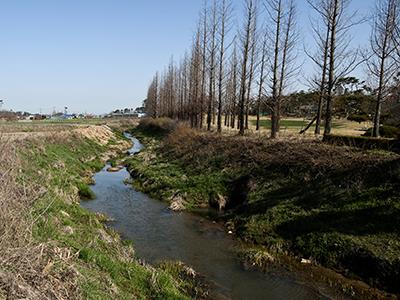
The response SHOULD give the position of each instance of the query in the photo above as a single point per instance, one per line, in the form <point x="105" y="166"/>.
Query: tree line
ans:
<point x="237" y="68"/>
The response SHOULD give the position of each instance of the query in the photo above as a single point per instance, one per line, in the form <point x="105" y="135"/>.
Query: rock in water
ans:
<point x="114" y="169"/>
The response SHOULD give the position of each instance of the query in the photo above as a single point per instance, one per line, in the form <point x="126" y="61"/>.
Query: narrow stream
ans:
<point x="159" y="234"/>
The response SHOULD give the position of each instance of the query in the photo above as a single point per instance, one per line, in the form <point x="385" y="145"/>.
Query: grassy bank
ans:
<point x="53" y="248"/>
<point x="336" y="206"/>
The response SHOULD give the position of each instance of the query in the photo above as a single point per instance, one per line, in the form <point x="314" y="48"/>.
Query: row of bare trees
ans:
<point x="230" y="73"/>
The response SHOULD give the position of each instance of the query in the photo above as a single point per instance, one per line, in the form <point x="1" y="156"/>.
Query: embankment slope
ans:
<point x="52" y="248"/>
<point x="336" y="206"/>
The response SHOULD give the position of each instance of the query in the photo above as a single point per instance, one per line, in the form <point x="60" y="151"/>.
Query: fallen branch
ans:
<point x="309" y="125"/>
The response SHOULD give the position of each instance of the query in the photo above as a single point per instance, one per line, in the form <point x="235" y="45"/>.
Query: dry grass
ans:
<point x="17" y="131"/>
<point x="24" y="263"/>
<point x="38" y="260"/>
<point x="30" y="269"/>
<point x="293" y="153"/>
<point x="101" y="133"/>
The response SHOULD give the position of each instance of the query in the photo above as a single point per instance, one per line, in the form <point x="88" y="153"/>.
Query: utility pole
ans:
<point x="1" y="104"/>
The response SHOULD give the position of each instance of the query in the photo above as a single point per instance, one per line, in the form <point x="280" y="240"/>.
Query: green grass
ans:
<point x="163" y="179"/>
<point x="85" y="192"/>
<point x="107" y="265"/>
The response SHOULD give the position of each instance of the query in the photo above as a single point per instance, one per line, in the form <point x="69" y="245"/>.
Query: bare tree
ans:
<point x="212" y="51"/>
<point x="261" y="80"/>
<point x="195" y="73"/>
<point x="282" y="14"/>
<point x="232" y="88"/>
<point x="184" y="108"/>
<point x="224" y="16"/>
<point x="381" y="62"/>
<point x="252" y="67"/>
<point x="336" y="9"/>
<point x="320" y="58"/>
<point x="322" y="84"/>
<point x="152" y="98"/>
<point x="275" y="7"/>
<point x="204" y="36"/>
<point x="336" y="57"/>
<point x="245" y="44"/>
<point x="289" y="56"/>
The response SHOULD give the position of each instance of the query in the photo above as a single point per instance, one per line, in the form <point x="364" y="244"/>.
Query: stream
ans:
<point x="159" y="234"/>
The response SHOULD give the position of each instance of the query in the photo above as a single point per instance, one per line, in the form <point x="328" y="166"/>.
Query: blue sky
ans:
<point x="97" y="55"/>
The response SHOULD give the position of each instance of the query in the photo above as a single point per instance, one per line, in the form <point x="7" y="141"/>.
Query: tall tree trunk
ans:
<point x="245" y="57"/>
<point x="211" y="96"/>
<point x="275" y="91"/>
<point x="204" y="65"/>
<point x="251" y="72"/>
<point x="261" y="80"/>
<point x="331" y="80"/>
<point x="221" y="63"/>
<point x="322" y="88"/>
<point x="379" y="97"/>
<point x="285" y="53"/>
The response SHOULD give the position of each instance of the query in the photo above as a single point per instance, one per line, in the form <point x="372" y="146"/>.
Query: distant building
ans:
<point x="63" y="116"/>
<point x="122" y="113"/>
<point x="138" y="112"/>
<point x="8" y="116"/>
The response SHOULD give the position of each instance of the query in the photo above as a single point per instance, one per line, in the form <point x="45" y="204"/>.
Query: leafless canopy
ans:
<point x="382" y="59"/>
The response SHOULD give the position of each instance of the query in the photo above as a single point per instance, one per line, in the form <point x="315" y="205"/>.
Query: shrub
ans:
<point x="358" y="118"/>
<point x="159" y="126"/>
<point x="95" y="165"/>
<point x="362" y="142"/>
<point x="85" y="192"/>
<point x="385" y="131"/>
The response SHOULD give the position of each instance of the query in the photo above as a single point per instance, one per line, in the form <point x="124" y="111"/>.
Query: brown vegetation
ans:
<point x="292" y="154"/>
<point x="24" y="263"/>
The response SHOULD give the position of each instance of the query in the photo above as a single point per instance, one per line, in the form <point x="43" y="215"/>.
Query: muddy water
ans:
<point x="159" y="234"/>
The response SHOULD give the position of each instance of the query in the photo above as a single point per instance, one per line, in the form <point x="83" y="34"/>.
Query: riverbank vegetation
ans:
<point x="244" y="149"/>
<point x="52" y="248"/>
<point x="321" y="202"/>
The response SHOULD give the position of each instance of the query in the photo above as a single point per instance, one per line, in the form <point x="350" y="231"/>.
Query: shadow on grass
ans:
<point x="366" y="221"/>
<point x="293" y="124"/>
